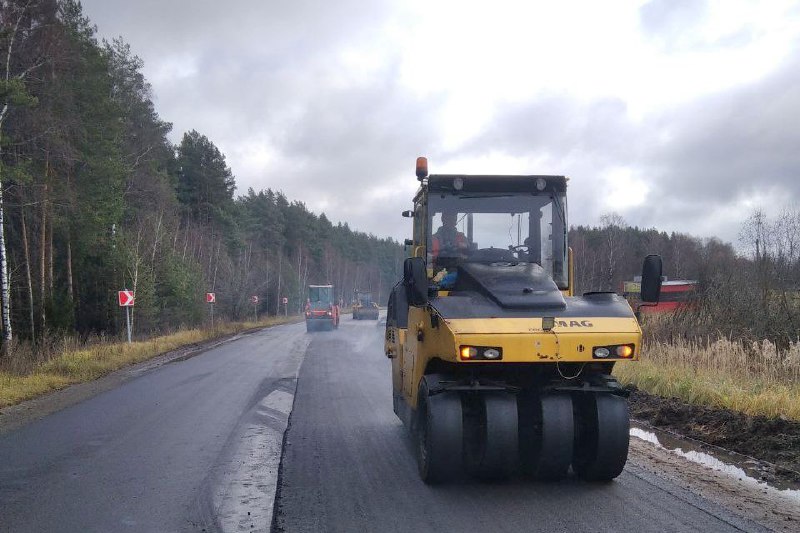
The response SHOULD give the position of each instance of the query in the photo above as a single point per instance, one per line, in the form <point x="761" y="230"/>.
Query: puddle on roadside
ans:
<point x="745" y="469"/>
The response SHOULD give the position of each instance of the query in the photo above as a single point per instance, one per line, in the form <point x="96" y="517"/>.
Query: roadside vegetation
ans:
<point x="736" y="342"/>
<point x="756" y="379"/>
<point x="35" y="372"/>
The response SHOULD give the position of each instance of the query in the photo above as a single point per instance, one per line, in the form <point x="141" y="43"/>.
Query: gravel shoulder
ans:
<point x="776" y="510"/>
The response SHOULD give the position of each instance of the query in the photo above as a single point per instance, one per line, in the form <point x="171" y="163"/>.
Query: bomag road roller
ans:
<point x="322" y="312"/>
<point x="364" y="307"/>
<point x="497" y="367"/>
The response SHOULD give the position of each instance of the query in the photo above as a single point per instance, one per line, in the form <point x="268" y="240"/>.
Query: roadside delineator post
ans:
<point x="211" y="299"/>
<point x="126" y="299"/>
<point x="254" y="301"/>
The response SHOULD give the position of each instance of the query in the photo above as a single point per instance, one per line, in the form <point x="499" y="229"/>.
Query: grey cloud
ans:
<point x="558" y="124"/>
<point x="161" y="27"/>
<point x="252" y="56"/>
<point x="740" y="140"/>
<point x="727" y="147"/>
<point x="265" y="73"/>
<point x="348" y="143"/>
<point x="698" y="159"/>
<point x="579" y="140"/>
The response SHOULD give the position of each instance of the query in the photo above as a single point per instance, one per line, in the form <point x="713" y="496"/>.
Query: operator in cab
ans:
<point x="447" y="239"/>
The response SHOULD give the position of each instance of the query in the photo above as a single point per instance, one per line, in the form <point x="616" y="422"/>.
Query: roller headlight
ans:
<point x="602" y="352"/>
<point x="616" y="351"/>
<point x="480" y="353"/>
<point x="491" y="353"/>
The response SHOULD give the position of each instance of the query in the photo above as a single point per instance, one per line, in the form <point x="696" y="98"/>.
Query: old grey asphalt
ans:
<point x="185" y="447"/>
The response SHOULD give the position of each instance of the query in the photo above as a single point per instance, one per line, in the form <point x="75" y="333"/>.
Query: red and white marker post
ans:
<point x="211" y="299"/>
<point x="126" y="299"/>
<point x="254" y="301"/>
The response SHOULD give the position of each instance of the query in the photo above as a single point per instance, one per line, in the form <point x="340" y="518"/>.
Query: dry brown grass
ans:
<point x="68" y="362"/>
<point x="756" y="378"/>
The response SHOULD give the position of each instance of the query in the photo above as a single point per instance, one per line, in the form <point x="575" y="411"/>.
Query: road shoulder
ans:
<point x="752" y="500"/>
<point x="16" y="416"/>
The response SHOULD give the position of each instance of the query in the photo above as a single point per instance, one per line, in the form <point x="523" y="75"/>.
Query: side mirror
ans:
<point x="651" y="279"/>
<point x="409" y="242"/>
<point x="415" y="280"/>
<point x="408" y="214"/>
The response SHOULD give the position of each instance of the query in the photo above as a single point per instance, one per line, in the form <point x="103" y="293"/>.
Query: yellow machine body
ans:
<point x="522" y="340"/>
<point x="495" y="361"/>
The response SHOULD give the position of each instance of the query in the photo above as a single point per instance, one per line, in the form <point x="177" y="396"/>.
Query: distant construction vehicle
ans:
<point x="676" y="295"/>
<point x="496" y="365"/>
<point x="364" y="307"/>
<point x="322" y="311"/>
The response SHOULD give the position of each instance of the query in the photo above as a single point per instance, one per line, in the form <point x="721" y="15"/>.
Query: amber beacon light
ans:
<point x="422" y="168"/>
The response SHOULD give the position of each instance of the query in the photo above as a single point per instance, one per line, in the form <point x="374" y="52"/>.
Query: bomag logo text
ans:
<point x="573" y="324"/>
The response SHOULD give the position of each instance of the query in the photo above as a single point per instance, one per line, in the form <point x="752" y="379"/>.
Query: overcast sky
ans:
<point x="677" y="114"/>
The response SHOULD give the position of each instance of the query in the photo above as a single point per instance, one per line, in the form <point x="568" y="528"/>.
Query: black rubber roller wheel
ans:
<point x="548" y="435"/>
<point x="439" y="435"/>
<point x="492" y="443"/>
<point x="604" y="434"/>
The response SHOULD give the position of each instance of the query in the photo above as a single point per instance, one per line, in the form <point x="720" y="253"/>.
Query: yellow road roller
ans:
<point x="497" y="367"/>
<point x="364" y="307"/>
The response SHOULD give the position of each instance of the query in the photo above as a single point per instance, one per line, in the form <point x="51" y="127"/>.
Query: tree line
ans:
<point x="748" y="294"/>
<point x="95" y="198"/>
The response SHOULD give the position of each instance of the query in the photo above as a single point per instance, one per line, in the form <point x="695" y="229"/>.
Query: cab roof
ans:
<point x="486" y="183"/>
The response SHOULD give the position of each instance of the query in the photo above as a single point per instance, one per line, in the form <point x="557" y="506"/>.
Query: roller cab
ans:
<point x="497" y="367"/>
<point x="321" y="310"/>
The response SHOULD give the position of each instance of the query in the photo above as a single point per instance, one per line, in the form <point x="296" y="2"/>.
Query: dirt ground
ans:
<point x="776" y="441"/>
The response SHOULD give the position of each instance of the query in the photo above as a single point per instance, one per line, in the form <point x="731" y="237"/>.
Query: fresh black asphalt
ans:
<point x="348" y="466"/>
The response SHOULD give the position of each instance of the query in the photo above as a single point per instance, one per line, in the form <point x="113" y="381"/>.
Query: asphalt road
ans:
<point x="348" y="466"/>
<point x="191" y="445"/>
<point x="195" y="445"/>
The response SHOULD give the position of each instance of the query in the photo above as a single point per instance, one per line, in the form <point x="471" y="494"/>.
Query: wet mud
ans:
<point x="774" y="440"/>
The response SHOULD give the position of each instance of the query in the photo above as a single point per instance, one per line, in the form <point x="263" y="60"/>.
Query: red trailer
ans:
<point x="675" y="295"/>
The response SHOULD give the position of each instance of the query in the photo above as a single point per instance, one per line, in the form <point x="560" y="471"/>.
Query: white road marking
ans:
<point x="280" y="401"/>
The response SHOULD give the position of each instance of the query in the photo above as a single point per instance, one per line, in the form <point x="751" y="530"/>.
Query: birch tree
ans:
<point x="613" y="224"/>
<point x="13" y="93"/>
